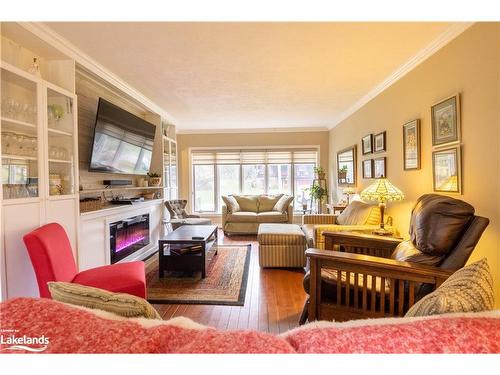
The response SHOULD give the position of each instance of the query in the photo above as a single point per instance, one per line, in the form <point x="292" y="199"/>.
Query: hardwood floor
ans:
<point x="273" y="301"/>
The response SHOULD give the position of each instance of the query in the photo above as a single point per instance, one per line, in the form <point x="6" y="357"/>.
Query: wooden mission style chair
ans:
<point x="384" y="277"/>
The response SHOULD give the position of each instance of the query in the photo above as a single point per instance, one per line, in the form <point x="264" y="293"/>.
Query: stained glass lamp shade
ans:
<point x="382" y="191"/>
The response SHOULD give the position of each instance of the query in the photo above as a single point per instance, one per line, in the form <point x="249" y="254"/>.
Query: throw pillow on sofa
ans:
<point x="117" y="303"/>
<point x="231" y="203"/>
<point x="470" y="289"/>
<point x="247" y="203"/>
<point x="267" y="202"/>
<point x="359" y="213"/>
<point x="283" y="203"/>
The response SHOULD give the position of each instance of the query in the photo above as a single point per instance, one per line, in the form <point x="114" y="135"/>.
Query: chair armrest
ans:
<point x="319" y="219"/>
<point x="360" y="243"/>
<point x="192" y="216"/>
<point x="224" y="215"/>
<point x="377" y="266"/>
<point x="397" y="280"/>
<point x="290" y="213"/>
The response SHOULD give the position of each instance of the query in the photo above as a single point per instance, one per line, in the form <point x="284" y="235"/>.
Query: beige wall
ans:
<point x="185" y="141"/>
<point x="469" y="65"/>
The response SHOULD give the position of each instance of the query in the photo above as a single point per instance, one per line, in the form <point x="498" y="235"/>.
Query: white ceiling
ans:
<point x="252" y="75"/>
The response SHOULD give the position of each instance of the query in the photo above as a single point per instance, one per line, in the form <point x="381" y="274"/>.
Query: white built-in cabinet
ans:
<point x="39" y="169"/>
<point x="171" y="190"/>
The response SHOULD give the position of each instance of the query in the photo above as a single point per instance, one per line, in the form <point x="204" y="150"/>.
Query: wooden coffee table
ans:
<point x="169" y="249"/>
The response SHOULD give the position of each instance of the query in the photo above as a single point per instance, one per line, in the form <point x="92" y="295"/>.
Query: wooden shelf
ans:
<point x="18" y="127"/>
<point x="121" y="188"/>
<point x="60" y="161"/>
<point x="59" y="132"/>
<point x="18" y="157"/>
<point x="17" y="122"/>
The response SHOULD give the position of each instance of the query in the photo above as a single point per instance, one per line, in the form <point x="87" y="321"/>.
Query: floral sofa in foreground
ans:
<point x="61" y="328"/>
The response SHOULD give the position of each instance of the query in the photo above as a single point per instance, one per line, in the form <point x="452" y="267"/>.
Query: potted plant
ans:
<point x="320" y="173"/>
<point x="154" y="178"/>
<point x="343" y="173"/>
<point x="318" y="194"/>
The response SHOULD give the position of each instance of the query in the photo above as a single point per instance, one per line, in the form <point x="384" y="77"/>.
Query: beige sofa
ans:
<point x="242" y="214"/>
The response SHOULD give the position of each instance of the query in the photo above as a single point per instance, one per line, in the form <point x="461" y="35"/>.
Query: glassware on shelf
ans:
<point x="55" y="187"/>
<point x="21" y="111"/>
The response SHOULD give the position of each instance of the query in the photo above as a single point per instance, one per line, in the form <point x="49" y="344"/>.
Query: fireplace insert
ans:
<point x="128" y="236"/>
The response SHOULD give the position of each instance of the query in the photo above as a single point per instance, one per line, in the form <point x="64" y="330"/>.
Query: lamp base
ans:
<point x="382" y="232"/>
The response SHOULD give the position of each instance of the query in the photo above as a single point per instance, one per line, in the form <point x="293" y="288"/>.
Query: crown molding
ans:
<point x="51" y="37"/>
<point x="253" y="131"/>
<point x="443" y="39"/>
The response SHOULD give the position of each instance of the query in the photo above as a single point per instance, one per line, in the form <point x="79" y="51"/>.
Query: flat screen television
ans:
<point x="123" y="142"/>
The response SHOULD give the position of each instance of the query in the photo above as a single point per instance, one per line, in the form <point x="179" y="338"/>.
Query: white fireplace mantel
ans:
<point x="94" y="250"/>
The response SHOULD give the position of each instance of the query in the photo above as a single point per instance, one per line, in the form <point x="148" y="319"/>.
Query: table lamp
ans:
<point x="382" y="191"/>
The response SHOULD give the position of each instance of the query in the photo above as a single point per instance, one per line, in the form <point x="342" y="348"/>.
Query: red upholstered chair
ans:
<point x="52" y="258"/>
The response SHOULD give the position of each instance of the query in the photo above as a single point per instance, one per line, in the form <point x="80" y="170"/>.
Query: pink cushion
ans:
<point x="120" y="277"/>
<point x="72" y="330"/>
<point x="51" y="256"/>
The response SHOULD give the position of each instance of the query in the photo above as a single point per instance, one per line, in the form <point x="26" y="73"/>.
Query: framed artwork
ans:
<point x="379" y="142"/>
<point x="446" y="168"/>
<point x="446" y="121"/>
<point x="346" y="166"/>
<point x="367" y="144"/>
<point x="379" y="167"/>
<point x="368" y="168"/>
<point x="411" y="145"/>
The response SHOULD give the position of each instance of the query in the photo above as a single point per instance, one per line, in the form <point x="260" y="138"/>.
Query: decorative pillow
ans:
<point x="118" y="303"/>
<point x="267" y="202"/>
<point x="247" y="203"/>
<point x="283" y="203"/>
<point x="231" y="203"/>
<point x="470" y="289"/>
<point x="407" y="252"/>
<point x="357" y="213"/>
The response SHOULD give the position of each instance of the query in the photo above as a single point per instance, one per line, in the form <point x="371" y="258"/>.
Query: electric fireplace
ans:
<point x="128" y="236"/>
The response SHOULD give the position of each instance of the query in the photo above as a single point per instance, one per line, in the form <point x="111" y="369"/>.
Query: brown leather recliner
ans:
<point x="443" y="233"/>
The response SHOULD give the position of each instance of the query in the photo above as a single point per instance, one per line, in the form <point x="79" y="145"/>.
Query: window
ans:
<point x="304" y="176"/>
<point x="224" y="172"/>
<point x="204" y="188"/>
<point x="254" y="179"/>
<point x="279" y="178"/>
<point x="229" y="180"/>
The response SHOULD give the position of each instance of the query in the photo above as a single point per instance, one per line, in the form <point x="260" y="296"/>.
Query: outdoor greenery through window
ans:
<point x="250" y="172"/>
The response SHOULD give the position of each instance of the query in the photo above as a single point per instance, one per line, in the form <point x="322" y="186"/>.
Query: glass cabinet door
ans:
<point x="173" y="170"/>
<point x="61" y="143"/>
<point x="19" y="136"/>
<point x="166" y="169"/>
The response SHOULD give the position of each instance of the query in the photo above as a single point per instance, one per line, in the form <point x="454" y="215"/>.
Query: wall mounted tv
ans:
<point x="123" y="143"/>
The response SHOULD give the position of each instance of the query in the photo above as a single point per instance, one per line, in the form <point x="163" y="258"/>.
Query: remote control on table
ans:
<point x="197" y="238"/>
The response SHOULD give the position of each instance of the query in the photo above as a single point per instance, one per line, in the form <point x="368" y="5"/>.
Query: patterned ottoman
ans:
<point x="281" y="245"/>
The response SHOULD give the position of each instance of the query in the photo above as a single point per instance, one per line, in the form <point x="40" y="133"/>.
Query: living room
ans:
<point x="250" y="187"/>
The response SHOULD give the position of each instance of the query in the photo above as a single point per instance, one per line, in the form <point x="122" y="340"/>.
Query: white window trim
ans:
<point x="216" y="189"/>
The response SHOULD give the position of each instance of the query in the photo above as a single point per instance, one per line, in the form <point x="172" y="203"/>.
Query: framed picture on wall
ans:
<point x="368" y="168"/>
<point x="445" y="117"/>
<point x="379" y="167"/>
<point x="411" y="145"/>
<point x="446" y="168"/>
<point x="367" y="144"/>
<point x="379" y="142"/>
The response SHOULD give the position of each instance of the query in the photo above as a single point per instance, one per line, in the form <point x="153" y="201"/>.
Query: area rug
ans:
<point x="225" y="282"/>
